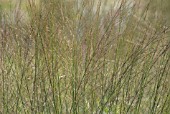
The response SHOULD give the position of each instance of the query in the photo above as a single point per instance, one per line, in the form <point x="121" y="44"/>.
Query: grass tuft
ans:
<point x="87" y="57"/>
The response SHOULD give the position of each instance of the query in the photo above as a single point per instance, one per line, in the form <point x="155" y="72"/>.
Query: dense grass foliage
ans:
<point x="72" y="57"/>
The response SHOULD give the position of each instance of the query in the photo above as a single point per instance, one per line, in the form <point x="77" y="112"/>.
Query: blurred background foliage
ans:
<point x="158" y="7"/>
<point x="166" y="10"/>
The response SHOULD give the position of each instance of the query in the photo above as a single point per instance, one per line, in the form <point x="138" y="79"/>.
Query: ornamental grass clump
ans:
<point x="84" y="57"/>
